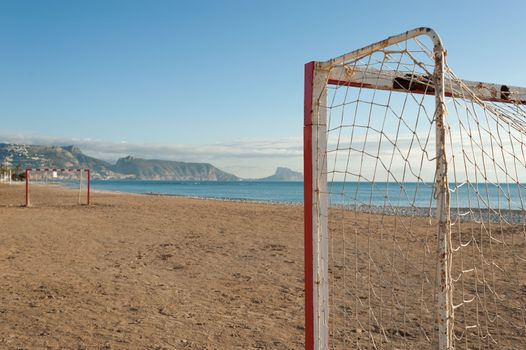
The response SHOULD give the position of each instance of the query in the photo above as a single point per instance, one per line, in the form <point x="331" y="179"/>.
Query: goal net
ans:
<point x="414" y="216"/>
<point x="57" y="187"/>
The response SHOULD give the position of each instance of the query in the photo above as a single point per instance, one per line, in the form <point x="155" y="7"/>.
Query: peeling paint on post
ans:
<point x="444" y="290"/>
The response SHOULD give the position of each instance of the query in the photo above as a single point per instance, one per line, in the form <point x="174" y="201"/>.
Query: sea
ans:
<point x="380" y="194"/>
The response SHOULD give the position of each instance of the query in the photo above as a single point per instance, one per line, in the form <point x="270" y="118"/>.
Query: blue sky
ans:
<point x="218" y="81"/>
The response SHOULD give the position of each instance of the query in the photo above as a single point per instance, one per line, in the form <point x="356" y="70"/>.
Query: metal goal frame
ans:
<point x="63" y="170"/>
<point x="319" y="75"/>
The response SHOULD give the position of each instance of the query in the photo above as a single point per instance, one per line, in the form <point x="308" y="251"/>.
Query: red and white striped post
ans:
<point x="307" y="207"/>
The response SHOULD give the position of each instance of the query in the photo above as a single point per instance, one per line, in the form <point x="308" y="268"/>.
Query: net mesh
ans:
<point x="487" y="167"/>
<point x="57" y="187"/>
<point x="381" y="163"/>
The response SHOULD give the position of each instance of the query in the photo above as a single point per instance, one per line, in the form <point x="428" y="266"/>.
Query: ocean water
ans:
<point x="266" y="191"/>
<point x="507" y="196"/>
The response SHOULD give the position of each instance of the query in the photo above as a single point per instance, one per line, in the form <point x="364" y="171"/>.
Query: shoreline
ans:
<point x="57" y="186"/>
<point x="169" y="195"/>
<point x="462" y="214"/>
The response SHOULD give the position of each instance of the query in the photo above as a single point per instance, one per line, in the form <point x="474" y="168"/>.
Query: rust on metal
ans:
<point x="414" y="83"/>
<point x="444" y="293"/>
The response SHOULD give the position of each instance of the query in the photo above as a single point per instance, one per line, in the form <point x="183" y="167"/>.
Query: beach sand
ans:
<point x="161" y="272"/>
<point x="149" y="272"/>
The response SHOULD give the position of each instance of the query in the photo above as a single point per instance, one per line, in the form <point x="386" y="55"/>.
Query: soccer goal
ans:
<point x="415" y="233"/>
<point x="46" y="186"/>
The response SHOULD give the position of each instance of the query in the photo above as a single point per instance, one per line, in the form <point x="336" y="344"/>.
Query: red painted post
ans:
<point x="89" y="184"/>
<point x="307" y="205"/>
<point x="27" y="188"/>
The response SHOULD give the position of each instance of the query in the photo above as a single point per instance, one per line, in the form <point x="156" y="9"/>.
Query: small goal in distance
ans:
<point x="415" y="221"/>
<point x="72" y="186"/>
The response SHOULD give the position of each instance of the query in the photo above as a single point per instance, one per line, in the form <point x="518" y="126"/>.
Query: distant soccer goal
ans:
<point x="46" y="186"/>
<point x="415" y="221"/>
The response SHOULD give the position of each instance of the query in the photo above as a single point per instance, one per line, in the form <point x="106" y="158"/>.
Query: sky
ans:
<point x="213" y="81"/>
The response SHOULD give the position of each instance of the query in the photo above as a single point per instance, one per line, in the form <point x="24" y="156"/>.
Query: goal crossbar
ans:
<point x="384" y="80"/>
<point x="421" y="84"/>
<point x="392" y="40"/>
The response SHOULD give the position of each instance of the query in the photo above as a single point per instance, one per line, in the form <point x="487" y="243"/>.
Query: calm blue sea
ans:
<point x="508" y="196"/>
<point x="282" y="192"/>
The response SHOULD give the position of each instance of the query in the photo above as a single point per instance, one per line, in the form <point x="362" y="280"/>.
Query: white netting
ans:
<point x="381" y="167"/>
<point x="57" y="187"/>
<point x="487" y="174"/>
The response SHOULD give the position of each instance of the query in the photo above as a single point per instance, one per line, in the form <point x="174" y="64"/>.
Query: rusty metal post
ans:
<point x="444" y="291"/>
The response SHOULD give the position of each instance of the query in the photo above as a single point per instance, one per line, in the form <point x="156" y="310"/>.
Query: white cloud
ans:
<point x="401" y="158"/>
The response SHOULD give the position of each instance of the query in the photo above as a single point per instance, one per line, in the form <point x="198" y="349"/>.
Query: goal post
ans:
<point x="414" y="222"/>
<point x="66" y="178"/>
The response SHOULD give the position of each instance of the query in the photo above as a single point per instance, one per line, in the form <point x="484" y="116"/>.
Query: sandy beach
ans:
<point x="149" y="272"/>
<point x="161" y="272"/>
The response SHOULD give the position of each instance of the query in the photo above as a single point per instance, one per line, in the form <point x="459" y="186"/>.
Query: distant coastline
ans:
<point x="21" y="156"/>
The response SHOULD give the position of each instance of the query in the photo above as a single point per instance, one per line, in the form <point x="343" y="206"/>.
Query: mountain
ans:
<point x="156" y="169"/>
<point x="284" y="174"/>
<point x="37" y="156"/>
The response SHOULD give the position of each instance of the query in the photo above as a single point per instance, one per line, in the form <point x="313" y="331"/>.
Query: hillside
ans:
<point x="284" y="174"/>
<point x="156" y="169"/>
<point x="38" y="156"/>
